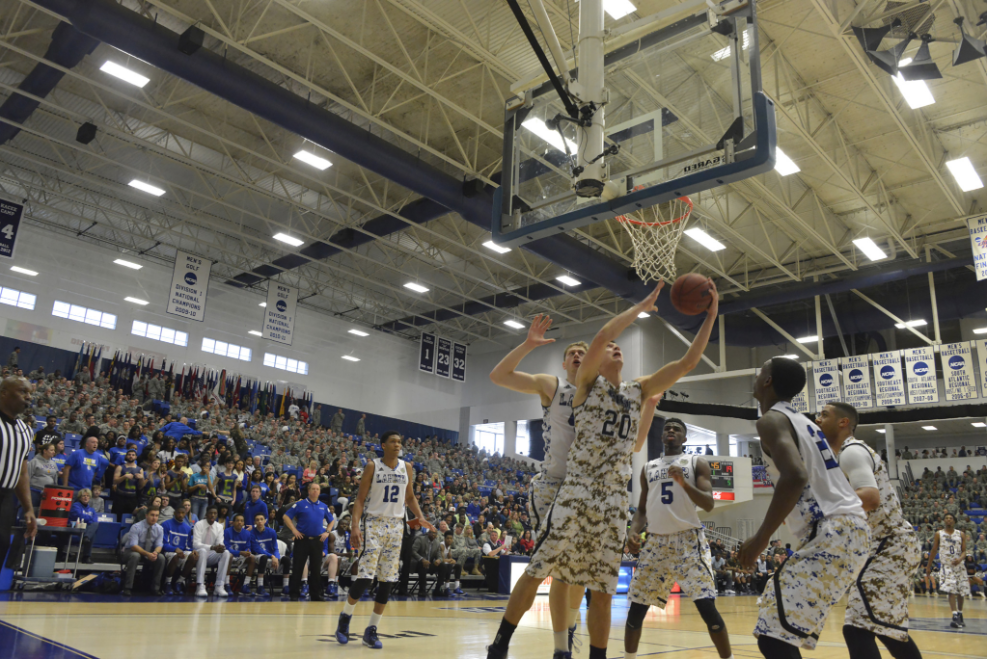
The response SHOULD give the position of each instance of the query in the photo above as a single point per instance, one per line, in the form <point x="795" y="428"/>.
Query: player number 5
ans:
<point x="666" y="492"/>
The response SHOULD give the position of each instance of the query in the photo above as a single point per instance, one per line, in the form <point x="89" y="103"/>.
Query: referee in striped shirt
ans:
<point x="15" y="442"/>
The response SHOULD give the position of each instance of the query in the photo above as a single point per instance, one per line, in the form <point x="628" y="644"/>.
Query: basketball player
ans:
<point x="585" y="528"/>
<point x="384" y="492"/>
<point x="878" y="601"/>
<point x="813" y="498"/>
<point x="671" y="488"/>
<point x="950" y="544"/>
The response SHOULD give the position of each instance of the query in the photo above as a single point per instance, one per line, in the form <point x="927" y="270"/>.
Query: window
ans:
<point x="522" y="444"/>
<point x="489" y="436"/>
<point x="158" y="333"/>
<point x="17" y="298"/>
<point x="83" y="315"/>
<point x="224" y="349"/>
<point x="285" y="364"/>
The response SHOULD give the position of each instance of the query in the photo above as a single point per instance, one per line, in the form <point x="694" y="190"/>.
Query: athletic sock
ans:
<point x="597" y="653"/>
<point x="348" y="608"/>
<point x="503" y="638"/>
<point x="305" y="582"/>
<point x="561" y="641"/>
<point x="332" y="581"/>
<point x="260" y="582"/>
<point x="572" y="617"/>
<point x="457" y="585"/>
<point x="955" y="612"/>
<point x="374" y="619"/>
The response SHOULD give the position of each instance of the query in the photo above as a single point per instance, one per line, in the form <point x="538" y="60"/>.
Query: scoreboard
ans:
<point x="730" y="478"/>
<point x="722" y="474"/>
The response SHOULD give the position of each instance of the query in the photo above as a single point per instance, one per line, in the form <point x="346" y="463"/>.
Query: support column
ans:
<point x="889" y="445"/>
<point x="510" y="438"/>
<point x="932" y="297"/>
<point x="819" y="332"/>
<point x="722" y="444"/>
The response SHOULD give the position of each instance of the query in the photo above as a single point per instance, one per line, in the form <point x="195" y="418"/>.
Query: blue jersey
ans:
<point x="86" y="467"/>
<point x="265" y="544"/>
<point x="236" y="542"/>
<point x="177" y="535"/>
<point x="117" y="456"/>
<point x="199" y="479"/>
<point x="225" y="485"/>
<point x="252" y="508"/>
<point x="128" y="488"/>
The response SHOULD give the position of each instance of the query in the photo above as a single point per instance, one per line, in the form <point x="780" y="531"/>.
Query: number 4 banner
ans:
<point x="10" y="222"/>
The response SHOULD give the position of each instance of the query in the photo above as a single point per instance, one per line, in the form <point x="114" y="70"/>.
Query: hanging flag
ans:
<point x="826" y="381"/>
<point x="78" y="360"/>
<point x="888" y="379"/>
<point x="856" y="381"/>
<point x="920" y="367"/>
<point x="94" y="362"/>
<point x="957" y="370"/>
<point x="222" y="384"/>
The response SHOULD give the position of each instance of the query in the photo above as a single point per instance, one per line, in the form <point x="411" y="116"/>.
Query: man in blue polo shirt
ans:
<point x="310" y="521"/>
<point x="85" y="465"/>
<point x="264" y="545"/>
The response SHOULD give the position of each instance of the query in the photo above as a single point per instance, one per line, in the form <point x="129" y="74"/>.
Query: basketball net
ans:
<point x="655" y="233"/>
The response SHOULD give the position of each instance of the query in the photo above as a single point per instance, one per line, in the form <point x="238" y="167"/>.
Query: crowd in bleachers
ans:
<point x="139" y="454"/>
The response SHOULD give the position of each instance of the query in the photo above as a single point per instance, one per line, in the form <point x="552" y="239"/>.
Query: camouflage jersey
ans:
<point x="606" y="430"/>
<point x="887" y="519"/>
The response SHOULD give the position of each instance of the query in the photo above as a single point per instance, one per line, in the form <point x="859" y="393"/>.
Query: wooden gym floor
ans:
<point x="60" y="626"/>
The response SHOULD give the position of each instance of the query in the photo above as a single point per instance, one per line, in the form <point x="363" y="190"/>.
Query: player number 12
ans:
<point x="391" y="493"/>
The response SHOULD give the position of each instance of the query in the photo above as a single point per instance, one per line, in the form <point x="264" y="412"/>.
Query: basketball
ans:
<point x="690" y="294"/>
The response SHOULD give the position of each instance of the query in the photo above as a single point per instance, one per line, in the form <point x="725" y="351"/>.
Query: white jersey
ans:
<point x="828" y="493"/>
<point x="558" y="429"/>
<point x="670" y="510"/>
<point x="950" y="546"/>
<point x="386" y="496"/>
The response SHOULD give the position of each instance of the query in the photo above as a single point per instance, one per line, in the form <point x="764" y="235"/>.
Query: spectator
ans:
<point x="337" y="421"/>
<point x="48" y="434"/>
<point x="128" y="480"/>
<point x="361" y="426"/>
<point x="85" y="465"/>
<point x="317" y="416"/>
<point x="97" y="501"/>
<point x="83" y="512"/>
<point x="451" y="564"/>
<point x="207" y="541"/>
<point x="167" y="510"/>
<point x="467" y="548"/>
<point x="314" y="525"/>
<point x="723" y="574"/>
<point x="227" y="483"/>
<point x="238" y="542"/>
<point x="179" y="556"/>
<point x="526" y="543"/>
<point x="493" y="549"/>
<point x="144" y="542"/>
<point x="426" y="557"/>
<point x="200" y="488"/>
<point x="42" y="471"/>
<point x="13" y="358"/>
<point x="264" y="545"/>
<point x="255" y="506"/>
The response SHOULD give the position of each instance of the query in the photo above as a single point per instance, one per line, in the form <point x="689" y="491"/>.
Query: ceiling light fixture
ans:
<point x="964" y="173"/>
<point x="146" y="187"/>
<point x="617" y="9"/>
<point x="724" y="52"/>
<point x="881" y="430"/>
<point x="539" y="128"/>
<point x="808" y="339"/>
<point x="916" y="92"/>
<point x="568" y="281"/>
<point x="418" y="288"/>
<point x="495" y="247"/>
<point x="136" y="300"/>
<point x="255" y="333"/>
<point x="311" y="159"/>
<point x="290" y="240"/>
<point x="514" y="324"/>
<point x="644" y="314"/>
<point x="870" y="249"/>
<point x="262" y="304"/>
<point x="358" y="332"/>
<point x="129" y="264"/>
<point x="929" y="428"/>
<point x="911" y="323"/>
<point x="980" y="330"/>
<point x="24" y="271"/>
<point x="704" y="239"/>
<point x="783" y="164"/>
<point x="351" y="358"/>
<point x="125" y="74"/>
<point x="979" y="424"/>
<point x="789" y="356"/>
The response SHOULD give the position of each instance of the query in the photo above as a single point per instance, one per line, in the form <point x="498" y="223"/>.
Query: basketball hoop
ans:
<point x="655" y="233"/>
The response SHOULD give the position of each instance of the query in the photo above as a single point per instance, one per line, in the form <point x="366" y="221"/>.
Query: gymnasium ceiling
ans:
<point x="432" y="76"/>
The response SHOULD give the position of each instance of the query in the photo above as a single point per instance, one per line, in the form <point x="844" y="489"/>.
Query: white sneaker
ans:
<point x="219" y="591"/>
<point x="729" y="591"/>
<point x="201" y="591"/>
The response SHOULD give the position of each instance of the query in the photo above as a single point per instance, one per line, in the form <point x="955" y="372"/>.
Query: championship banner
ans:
<point x="426" y="354"/>
<point x="10" y="222"/>
<point x="800" y="403"/>
<point x="982" y="363"/>
<point x="889" y="382"/>
<point x="279" y="314"/>
<point x="443" y="357"/>
<point x="856" y="382"/>
<point x="459" y="362"/>
<point x="826" y="376"/>
<point x="920" y="365"/>
<point x="978" y="242"/>
<point x="189" y="284"/>
<point x="957" y="371"/>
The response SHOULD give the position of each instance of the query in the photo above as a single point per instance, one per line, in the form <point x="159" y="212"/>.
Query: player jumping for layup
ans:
<point x="384" y="491"/>
<point x="586" y="526"/>
<point x="950" y="544"/>
<point x="878" y="603"/>
<point x="671" y="488"/>
<point x="813" y="498"/>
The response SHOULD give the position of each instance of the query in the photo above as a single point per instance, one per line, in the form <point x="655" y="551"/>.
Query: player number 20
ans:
<point x="391" y="493"/>
<point x="623" y="427"/>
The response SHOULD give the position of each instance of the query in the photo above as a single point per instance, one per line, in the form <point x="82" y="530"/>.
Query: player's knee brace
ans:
<point x="635" y="617"/>
<point x="383" y="592"/>
<point x="777" y="649"/>
<point x="360" y="585"/>
<point x="712" y="618"/>
<point x="901" y="649"/>
<point x="863" y="642"/>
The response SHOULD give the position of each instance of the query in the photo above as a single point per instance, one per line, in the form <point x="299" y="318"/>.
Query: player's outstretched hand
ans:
<point x="714" y="303"/>
<point x="750" y="550"/>
<point x="648" y="303"/>
<point x="633" y="543"/>
<point x="676" y="474"/>
<point x="536" y="333"/>
<point x="356" y="538"/>
<point x="428" y="527"/>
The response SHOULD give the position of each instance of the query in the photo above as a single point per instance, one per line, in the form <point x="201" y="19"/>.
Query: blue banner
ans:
<point x="10" y="223"/>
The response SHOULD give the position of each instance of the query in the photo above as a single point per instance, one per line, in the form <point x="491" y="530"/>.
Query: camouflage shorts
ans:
<point x="953" y="580"/>
<point x="878" y="601"/>
<point x="541" y="495"/>
<point x="381" y="551"/>
<point x="797" y="601"/>
<point x="680" y="557"/>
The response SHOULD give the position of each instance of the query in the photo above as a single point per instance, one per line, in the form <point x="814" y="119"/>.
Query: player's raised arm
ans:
<point x="702" y="493"/>
<point x="647" y="417"/>
<point x="666" y="376"/>
<point x="589" y="368"/>
<point x="505" y="374"/>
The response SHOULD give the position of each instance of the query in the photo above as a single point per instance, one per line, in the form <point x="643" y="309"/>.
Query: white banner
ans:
<point x="856" y="382"/>
<point x="978" y="242"/>
<point x="826" y="378"/>
<point x="279" y="314"/>
<point x="189" y="284"/>
<point x="801" y="401"/>
<point x="920" y="367"/>
<point x="982" y="363"/>
<point x="957" y="371"/>
<point x="889" y="383"/>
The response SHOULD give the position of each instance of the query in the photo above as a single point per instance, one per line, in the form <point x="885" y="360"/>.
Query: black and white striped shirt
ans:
<point x="15" y="443"/>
